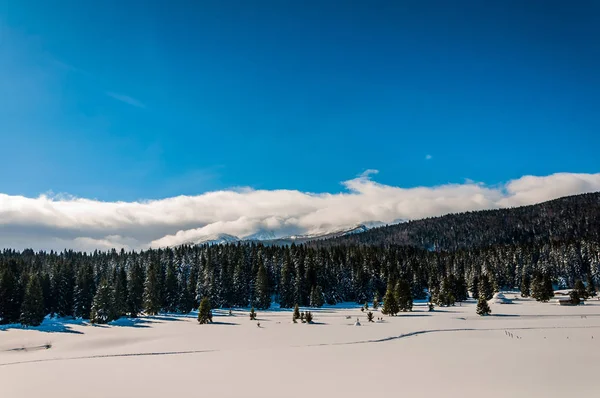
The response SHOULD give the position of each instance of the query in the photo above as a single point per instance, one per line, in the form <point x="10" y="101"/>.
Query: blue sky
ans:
<point x="125" y="100"/>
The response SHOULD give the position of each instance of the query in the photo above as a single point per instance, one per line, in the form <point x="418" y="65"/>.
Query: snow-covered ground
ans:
<point x="526" y="349"/>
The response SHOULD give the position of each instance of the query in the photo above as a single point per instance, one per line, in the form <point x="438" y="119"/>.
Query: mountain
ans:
<point x="570" y="218"/>
<point x="215" y="239"/>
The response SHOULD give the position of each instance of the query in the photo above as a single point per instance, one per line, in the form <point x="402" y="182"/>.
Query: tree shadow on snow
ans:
<point x="49" y="325"/>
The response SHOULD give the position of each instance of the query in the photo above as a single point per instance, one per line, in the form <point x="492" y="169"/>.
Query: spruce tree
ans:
<point x="375" y="301"/>
<point x="537" y="287"/>
<point x="308" y="317"/>
<point x="120" y="291"/>
<point x="286" y="287"/>
<point x="475" y="287"/>
<point x="525" y="284"/>
<point x="252" y="314"/>
<point x="171" y="289"/>
<point x="316" y="297"/>
<point x="390" y="305"/>
<point x="135" y="287"/>
<point x="579" y="287"/>
<point x="591" y="287"/>
<point x="152" y="290"/>
<point x="296" y="315"/>
<point x="370" y="316"/>
<point x="204" y="311"/>
<point x="575" y="298"/>
<point x="103" y="310"/>
<point x="32" y="310"/>
<point x="403" y="295"/>
<point x="444" y="295"/>
<point x="482" y="307"/>
<point x="263" y="296"/>
<point x="84" y="291"/>
<point x="10" y="297"/>
<point x="548" y="288"/>
<point x="486" y="290"/>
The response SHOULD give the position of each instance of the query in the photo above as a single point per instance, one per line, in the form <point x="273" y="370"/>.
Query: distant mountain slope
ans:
<point x="573" y="217"/>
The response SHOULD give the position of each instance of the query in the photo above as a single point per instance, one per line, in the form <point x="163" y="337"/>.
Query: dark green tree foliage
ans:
<point x="460" y="290"/>
<point x="308" y="317"/>
<point x="579" y="287"/>
<point x="486" y="290"/>
<point x="474" y="287"/>
<point x="10" y="296"/>
<point x="541" y="287"/>
<point x="525" y="285"/>
<point x="316" y="297"/>
<point x="575" y="298"/>
<point x="591" y="286"/>
<point x="390" y="305"/>
<point x="370" y="316"/>
<point x="204" y="311"/>
<point x="120" y="291"/>
<point x="263" y="295"/>
<point x="548" y="288"/>
<point x="65" y="283"/>
<point x="152" y="290"/>
<point x="85" y="290"/>
<point x="171" y="290"/>
<point x="296" y="315"/>
<point x="103" y="310"/>
<point x="252" y="314"/>
<point x="444" y="296"/>
<point x="403" y="295"/>
<point x="135" y="287"/>
<point x="286" y="286"/>
<point x="32" y="310"/>
<point x="482" y="307"/>
<point x="376" y="301"/>
<point x="47" y="291"/>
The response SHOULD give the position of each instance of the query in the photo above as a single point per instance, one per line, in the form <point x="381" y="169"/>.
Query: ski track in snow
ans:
<point x="381" y="340"/>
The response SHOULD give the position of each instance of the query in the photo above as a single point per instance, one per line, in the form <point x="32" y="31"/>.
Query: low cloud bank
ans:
<point x="45" y="223"/>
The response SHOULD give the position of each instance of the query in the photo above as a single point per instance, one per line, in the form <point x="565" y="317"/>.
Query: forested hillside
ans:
<point x="565" y="219"/>
<point x="527" y="248"/>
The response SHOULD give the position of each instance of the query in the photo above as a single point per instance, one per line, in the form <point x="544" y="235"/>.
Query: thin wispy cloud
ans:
<point x="49" y="222"/>
<point x="126" y="99"/>
<point x="428" y="157"/>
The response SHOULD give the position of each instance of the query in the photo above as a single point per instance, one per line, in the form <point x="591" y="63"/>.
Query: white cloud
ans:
<point x="48" y="222"/>
<point x="428" y="157"/>
<point x="126" y="99"/>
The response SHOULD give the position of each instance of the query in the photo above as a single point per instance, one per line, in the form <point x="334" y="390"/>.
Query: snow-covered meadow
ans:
<point x="525" y="349"/>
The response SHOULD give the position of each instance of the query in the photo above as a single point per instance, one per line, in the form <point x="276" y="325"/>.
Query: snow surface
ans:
<point x="527" y="349"/>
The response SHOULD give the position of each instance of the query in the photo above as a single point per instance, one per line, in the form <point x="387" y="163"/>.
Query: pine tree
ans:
<point x="548" y="288"/>
<point x="475" y="287"/>
<point x="486" y="290"/>
<point x="152" y="290"/>
<point x="390" y="305"/>
<point x="32" y="310"/>
<point x="120" y="291"/>
<point x="103" y="310"/>
<point x="10" y="297"/>
<point x="579" y="287"/>
<point x="84" y="291"/>
<point x="482" y="307"/>
<point x="252" y="314"/>
<point x="204" y="311"/>
<point x="591" y="287"/>
<point x="171" y="290"/>
<point x="444" y="295"/>
<point x="403" y="295"/>
<point x="370" y="316"/>
<point x="316" y="297"/>
<point x="525" y="284"/>
<point x="65" y="290"/>
<point x="296" y="315"/>
<point x="376" y="301"/>
<point x="308" y="317"/>
<point x="135" y="287"/>
<point x="575" y="298"/>
<point x="263" y="296"/>
<point x="461" y="291"/>
<point x="286" y="287"/>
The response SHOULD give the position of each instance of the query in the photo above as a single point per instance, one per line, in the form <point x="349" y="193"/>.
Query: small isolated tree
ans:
<point x="103" y="305"/>
<point x="370" y="316"/>
<point x="308" y="317"/>
<point x="296" y="315"/>
<point x="302" y="317"/>
<point x="591" y="287"/>
<point x="252" y="314"/>
<point x="390" y="305"/>
<point x="376" y="301"/>
<point x="32" y="310"/>
<point x="482" y="307"/>
<point x="575" y="298"/>
<point x="204" y="312"/>
<point x="430" y="305"/>
<point x="580" y="289"/>
<point x="366" y="306"/>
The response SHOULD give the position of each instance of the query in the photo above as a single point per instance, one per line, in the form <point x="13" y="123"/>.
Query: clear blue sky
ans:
<point x="123" y="100"/>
